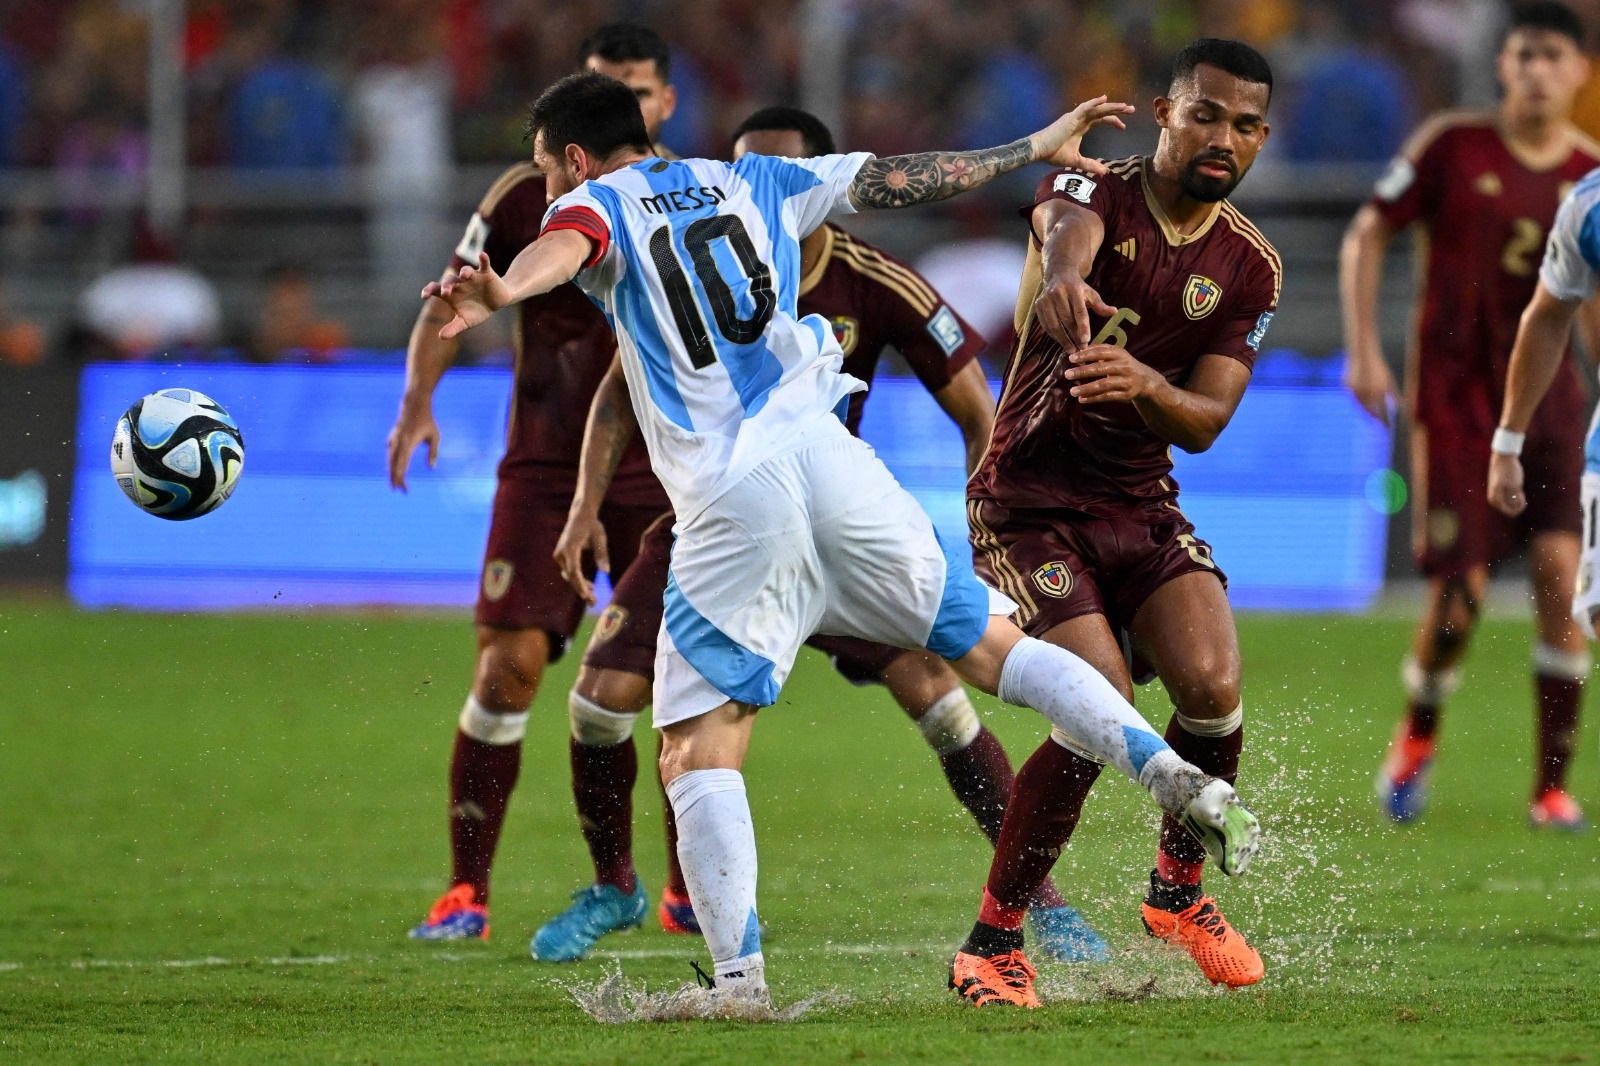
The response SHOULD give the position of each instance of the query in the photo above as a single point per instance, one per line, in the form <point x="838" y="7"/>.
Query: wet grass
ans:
<point x="215" y="831"/>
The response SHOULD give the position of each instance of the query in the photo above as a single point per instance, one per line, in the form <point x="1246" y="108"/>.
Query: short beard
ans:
<point x="1207" y="190"/>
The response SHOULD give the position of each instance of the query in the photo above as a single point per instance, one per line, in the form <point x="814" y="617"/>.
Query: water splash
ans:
<point x="613" y="1000"/>
<point x="1133" y="974"/>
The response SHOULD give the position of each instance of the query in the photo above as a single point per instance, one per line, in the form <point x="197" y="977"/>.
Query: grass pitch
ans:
<point x="215" y="831"/>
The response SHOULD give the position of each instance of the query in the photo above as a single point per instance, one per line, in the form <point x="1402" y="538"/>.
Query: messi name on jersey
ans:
<point x="691" y="199"/>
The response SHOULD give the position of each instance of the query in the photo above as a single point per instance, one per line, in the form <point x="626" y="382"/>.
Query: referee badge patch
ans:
<point x="496" y="579"/>
<point x="946" y="329"/>
<point x="1053" y="579"/>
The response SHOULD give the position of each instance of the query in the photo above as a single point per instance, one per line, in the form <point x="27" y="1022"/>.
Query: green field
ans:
<point x="215" y="831"/>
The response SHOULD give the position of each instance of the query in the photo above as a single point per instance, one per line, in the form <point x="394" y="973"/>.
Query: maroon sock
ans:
<point x="1559" y="701"/>
<point x="1046" y="799"/>
<point x="675" y="882"/>
<point x="980" y="776"/>
<point x="1423" y="719"/>
<point x="481" y="779"/>
<point x="1181" y="856"/>
<point x="602" y="787"/>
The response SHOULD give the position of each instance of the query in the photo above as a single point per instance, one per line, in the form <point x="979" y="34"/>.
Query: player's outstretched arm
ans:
<point x="1536" y="357"/>
<point x="1069" y="238"/>
<point x="611" y="427"/>
<point x="475" y="293"/>
<point x="1366" y="373"/>
<point x="427" y="358"/>
<point x="924" y="177"/>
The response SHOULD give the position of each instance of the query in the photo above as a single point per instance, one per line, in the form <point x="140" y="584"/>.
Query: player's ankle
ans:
<point x="1175" y="871"/>
<point x="1167" y="896"/>
<point x="988" y="940"/>
<point x="992" y="912"/>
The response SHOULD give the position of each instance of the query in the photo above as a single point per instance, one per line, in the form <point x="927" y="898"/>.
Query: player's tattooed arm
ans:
<point x="926" y="177"/>
<point x="611" y="427"/>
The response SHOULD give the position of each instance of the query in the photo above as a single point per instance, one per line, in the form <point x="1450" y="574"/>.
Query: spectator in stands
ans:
<point x="284" y="112"/>
<point x="289" y="327"/>
<point x="1349" y="101"/>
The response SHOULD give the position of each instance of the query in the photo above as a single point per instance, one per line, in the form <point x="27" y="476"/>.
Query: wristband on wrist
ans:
<point x="1507" y="442"/>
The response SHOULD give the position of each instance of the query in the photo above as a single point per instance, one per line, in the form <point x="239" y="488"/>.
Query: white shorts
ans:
<point x="1586" y="600"/>
<point x="822" y="540"/>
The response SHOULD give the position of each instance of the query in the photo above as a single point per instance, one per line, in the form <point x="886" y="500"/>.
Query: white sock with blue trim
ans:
<point x="717" y="850"/>
<point x="1089" y="711"/>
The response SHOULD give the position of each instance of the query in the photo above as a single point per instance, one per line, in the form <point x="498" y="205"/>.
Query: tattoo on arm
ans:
<point x="903" y="180"/>
<point x="614" y="428"/>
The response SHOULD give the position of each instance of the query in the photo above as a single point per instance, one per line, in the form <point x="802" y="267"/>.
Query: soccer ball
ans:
<point x="177" y="454"/>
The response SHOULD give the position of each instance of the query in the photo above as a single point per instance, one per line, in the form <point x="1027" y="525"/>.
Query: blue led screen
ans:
<point x="1283" y="497"/>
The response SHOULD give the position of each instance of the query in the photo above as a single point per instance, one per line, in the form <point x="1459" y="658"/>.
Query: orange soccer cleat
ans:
<point x="455" y="916"/>
<point x="1004" y="978"/>
<point x="1224" y="956"/>
<point x="1557" y="810"/>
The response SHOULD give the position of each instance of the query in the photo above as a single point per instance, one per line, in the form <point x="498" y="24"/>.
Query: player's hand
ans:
<point x="414" y="426"/>
<point x="582" y="533"/>
<point x="1108" y="374"/>
<point x="1367" y="376"/>
<point x="1505" y="484"/>
<point x="1060" y="143"/>
<point x="1064" y="306"/>
<point x="473" y="293"/>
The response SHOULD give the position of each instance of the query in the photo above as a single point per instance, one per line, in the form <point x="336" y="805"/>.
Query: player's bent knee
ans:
<point x="1217" y="726"/>
<point x="1428" y="687"/>
<point x="489" y="727"/>
<point x="950" y="724"/>
<point x="595" y="726"/>
<point x="509" y="668"/>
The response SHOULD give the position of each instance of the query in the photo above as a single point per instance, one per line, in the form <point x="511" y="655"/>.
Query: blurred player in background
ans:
<point x="526" y="613"/>
<point x="873" y="301"/>
<point x="1483" y="187"/>
<point x="786" y="524"/>
<point x="1567" y="281"/>
<point x="1142" y="308"/>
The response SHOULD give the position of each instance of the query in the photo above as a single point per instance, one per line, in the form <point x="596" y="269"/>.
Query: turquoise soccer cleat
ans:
<point x="1062" y="934"/>
<point x="595" y="911"/>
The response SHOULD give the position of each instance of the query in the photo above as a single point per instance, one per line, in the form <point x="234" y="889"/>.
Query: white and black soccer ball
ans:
<point x="177" y="454"/>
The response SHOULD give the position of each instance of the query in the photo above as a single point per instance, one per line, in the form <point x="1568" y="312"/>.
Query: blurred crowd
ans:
<point x="414" y="88"/>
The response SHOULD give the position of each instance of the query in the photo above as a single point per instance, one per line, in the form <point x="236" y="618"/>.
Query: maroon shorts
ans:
<point x="1062" y="564"/>
<point x="1454" y="529"/>
<point x="522" y="588"/>
<point x="625" y="637"/>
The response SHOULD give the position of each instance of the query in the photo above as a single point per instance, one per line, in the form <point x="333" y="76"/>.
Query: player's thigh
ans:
<point x="625" y="636"/>
<point x="745" y="588"/>
<point x="1090" y="638"/>
<point x="510" y="664"/>
<point x="860" y="662"/>
<point x="1454" y="530"/>
<point x="522" y="588"/>
<point x="1185" y="631"/>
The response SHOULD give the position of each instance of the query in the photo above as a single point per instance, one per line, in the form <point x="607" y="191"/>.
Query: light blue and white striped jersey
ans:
<point x="1571" y="268"/>
<point x="700" y="280"/>
<point x="1571" y="265"/>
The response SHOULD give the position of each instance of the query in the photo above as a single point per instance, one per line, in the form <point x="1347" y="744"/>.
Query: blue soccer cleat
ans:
<point x="1402" y="784"/>
<point x="454" y="916"/>
<point x="1060" y="933"/>
<point x="595" y="911"/>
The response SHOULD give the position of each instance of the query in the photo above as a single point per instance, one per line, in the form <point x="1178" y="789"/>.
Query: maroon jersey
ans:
<point x="874" y="301"/>
<point x="1179" y="297"/>
<point x="1486" y="213"/>
<point x="562" y="348"/>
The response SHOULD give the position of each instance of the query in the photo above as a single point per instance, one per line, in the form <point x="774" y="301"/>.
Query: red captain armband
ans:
<point x="584" y="221"/>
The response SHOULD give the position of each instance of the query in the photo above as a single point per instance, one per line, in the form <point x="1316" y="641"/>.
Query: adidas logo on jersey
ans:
<point x="1129" y="248"/>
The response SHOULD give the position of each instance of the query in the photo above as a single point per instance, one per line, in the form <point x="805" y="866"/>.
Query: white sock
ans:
<point x="951" y="724"/>
<point x="1088" y="710"/>
<point x="717" y="849"/>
